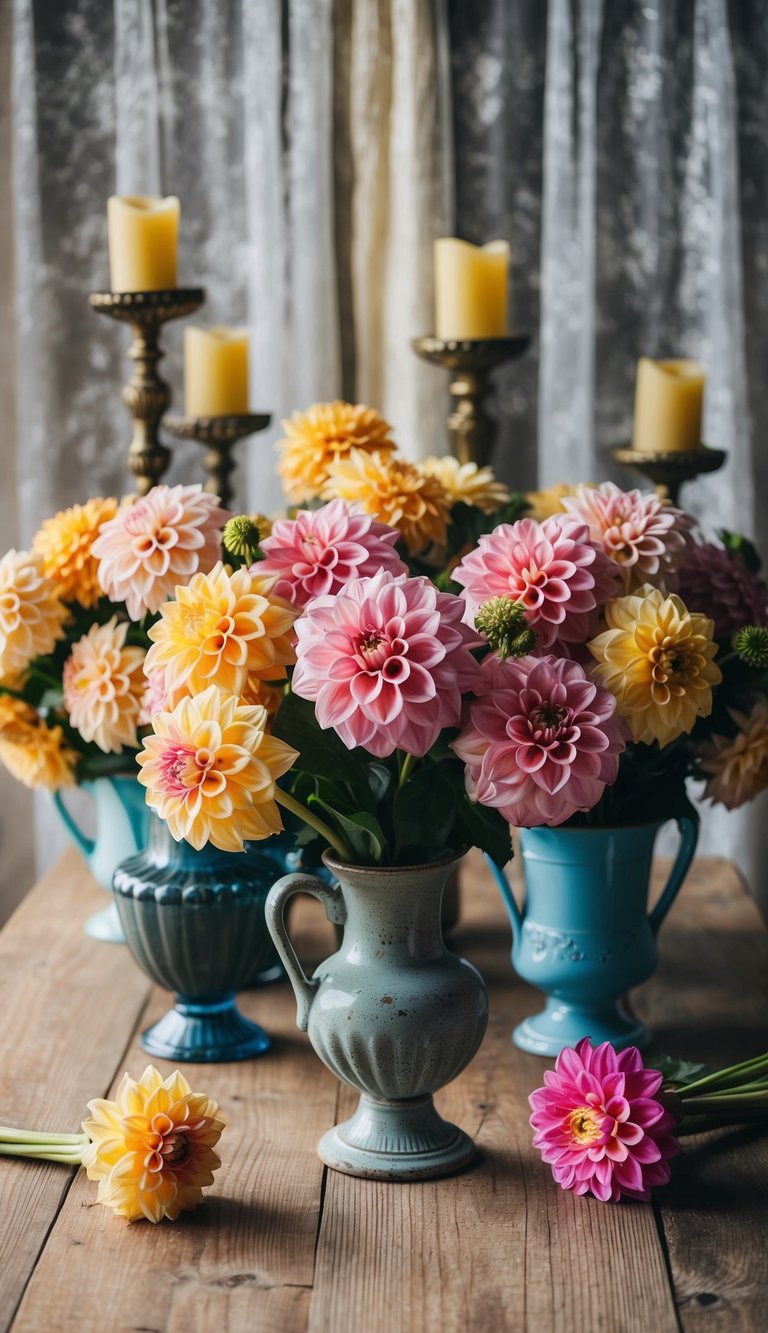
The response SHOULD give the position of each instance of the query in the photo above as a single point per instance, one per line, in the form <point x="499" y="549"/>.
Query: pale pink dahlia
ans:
<point x="643" y="534"/>
<point x="600" y="1125"/>
<point x="387" y="660"/>
<point x="318" y="551"/>
<point x="542" y="741"/>
<point x="157" y="544"/>
<point x="553" y="569"/>
<point x="714" y="581"/>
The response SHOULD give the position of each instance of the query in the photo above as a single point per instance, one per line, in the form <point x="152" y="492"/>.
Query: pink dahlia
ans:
<point x="600" y="1125"/>
<point x="542" y="740"/>
<point x="157" y="544"/>
<point x="387" y="660"/>
<point x="643" y="534"/>
<point x="553" y="569"/>
<point x="319" y="551"/>
<point x="714" y="581"/>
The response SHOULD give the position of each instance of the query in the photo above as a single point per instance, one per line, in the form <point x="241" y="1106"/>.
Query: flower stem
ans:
<point x="68" y="1156"/>
<point x="289" y="802"/>
<point x="405" y="770"/>
<point x="723" y="1078"/>
<point x="36" y="1137"/>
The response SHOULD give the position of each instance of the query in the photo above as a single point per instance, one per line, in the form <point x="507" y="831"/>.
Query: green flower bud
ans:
<point x="504" y="625"/>
<point x="241" y="538"/>
<point x="751" y="645"/>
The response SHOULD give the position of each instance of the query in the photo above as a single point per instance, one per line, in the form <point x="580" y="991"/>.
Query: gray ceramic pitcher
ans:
<point x="392" y="1012"/>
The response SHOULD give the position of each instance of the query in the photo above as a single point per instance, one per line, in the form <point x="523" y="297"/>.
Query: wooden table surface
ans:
<point x="283" y="1244"/>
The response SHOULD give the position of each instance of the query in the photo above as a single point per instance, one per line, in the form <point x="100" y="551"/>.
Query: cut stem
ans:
<point x="289" y="802"/>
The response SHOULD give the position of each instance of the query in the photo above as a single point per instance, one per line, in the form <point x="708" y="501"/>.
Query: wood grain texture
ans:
<point x="708" y="1001"/>
<point x="246" y="1259"/>
<point x="69" y="1005"/>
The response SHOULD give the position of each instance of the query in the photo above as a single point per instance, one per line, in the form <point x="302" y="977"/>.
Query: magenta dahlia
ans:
<point x="600" y="1125"/>
<point x="318" y="551"/>
<point x="542" y="740"/>
<point x="643" y="534"/>
<point x="714" y="581"/>
<point x="387" y="661"/>
<point x="552" y="569"/>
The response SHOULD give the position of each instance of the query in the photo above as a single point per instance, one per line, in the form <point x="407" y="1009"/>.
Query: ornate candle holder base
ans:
<point x="220" y="434"/>
<point x="470" y="428"/>
<point x="146" y="395"/>
<point x="668" y="471"/>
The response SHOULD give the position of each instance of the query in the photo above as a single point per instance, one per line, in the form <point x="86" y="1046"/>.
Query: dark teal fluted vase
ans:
<point x="194" y="922"/>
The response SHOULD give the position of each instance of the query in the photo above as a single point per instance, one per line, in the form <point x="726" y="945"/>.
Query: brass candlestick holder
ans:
<point x="669" y="471"/>
<point x="471" y="430"/>
<point x="146" y="395"/>
<point x="220" y="434"/>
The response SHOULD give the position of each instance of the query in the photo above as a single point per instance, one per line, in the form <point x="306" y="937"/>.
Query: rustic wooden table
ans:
<point x="281" y="1244"/>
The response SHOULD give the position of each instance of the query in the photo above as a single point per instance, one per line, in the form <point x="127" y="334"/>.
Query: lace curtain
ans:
<point x="318" y="146"/>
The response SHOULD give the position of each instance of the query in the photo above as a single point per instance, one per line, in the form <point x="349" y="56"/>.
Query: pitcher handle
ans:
<point x="304" y="987"/>
<point x="85" y="845"/>
<point x="689" y="836"/>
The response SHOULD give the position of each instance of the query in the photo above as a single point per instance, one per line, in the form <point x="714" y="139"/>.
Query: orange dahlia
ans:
<point x="33" y="752"/>
<point x="395" y="492"/>
<point x="319" y="437"/>
<point x="64" y="544"/>
<point x="31" y="612"/>
<point x="468" y="484"/>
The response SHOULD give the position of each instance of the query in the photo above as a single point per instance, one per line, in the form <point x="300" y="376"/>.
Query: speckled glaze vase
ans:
<point x="393" y="1013"/>
<point x="194" y="922"/>
<point x="585" y="936"/>
<point x="122" y="829"/>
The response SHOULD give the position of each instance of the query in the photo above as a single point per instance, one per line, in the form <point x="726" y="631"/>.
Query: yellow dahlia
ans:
<point x="210" y="771"/>
<point x="396" y="493"/>
<point x="104" y="687"/>
<point x="738" y="766"/>
<point x="319" y="437"/>
<point x="546" y="503"/>
<point x="64" y="545"/>
<point x="467" y="483"/>
<point x="31" y="612"/>
<point x="221" y="629"/>
<point x="33" y="752"/>
<point x="656" y="658"/>
<point x="152" y="1149"/>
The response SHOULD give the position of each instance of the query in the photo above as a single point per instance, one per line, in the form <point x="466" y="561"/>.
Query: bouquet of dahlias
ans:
<point x="74" y="614"/>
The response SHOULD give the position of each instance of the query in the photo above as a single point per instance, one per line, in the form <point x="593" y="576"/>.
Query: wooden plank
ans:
<point x="500" y="1247"/>
<point x="246" y="1259"/>
<point x="708" y="1002"/>
<point x="68" y="1005"/>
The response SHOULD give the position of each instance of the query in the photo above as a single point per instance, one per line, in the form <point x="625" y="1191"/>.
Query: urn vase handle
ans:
<point x="689" y="836"/>
<point x="304" y="987"/>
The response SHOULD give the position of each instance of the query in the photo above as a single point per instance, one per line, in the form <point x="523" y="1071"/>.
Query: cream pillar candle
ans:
<point x="215" y="372"/>
<point x="471" y="289"/>
<point x="668" y="404"/>
<point x="143" y="242"/>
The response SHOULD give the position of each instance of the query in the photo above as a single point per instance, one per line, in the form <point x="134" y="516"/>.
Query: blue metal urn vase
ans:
<point x="584" y="935"/>
<point x="194" y="922"/>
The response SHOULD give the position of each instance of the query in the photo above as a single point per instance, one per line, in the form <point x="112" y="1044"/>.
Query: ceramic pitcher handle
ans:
<point x="304" y="987"/>
<point x="86" y="845"/>
<point x="689" y="836"/>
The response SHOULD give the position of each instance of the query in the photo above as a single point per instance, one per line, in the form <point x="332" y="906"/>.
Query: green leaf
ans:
<point x="321" y="753"/>
<point x="480" y="826"/>
<point x="361" y="831"/>
<point x="423" y="811"/>
<point x="379" y="781"/>
<point x="677" y="1071"/>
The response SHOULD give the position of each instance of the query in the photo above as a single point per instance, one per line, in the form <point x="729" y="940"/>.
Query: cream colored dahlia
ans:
<point x="466" y="483"/>
<point x="210" y="771"/>
<point x="156" y="545"/>
<point x="221" y="629"/>
<point x="31" y="612"/>
<point x="34" y="753"/>
<point x="151" y="1149"/>
<point x="104" y="687"/>
<point x="395" y="492"/>
<point x="65" y="546"/>
<point x="548" y="502"/>
<point x="738" y="765"/>
<point x="656" y="658"/>
<point x="319" y="437"/>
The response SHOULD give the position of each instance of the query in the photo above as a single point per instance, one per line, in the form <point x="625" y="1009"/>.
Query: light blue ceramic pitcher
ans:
<point x="585" y="936"/>
<point x="122" y="825"/>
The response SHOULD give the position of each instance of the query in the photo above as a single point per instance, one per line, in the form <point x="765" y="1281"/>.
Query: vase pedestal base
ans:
<point x="560" y="1024"/>
<point x="105" y="925"/>
<point x="405" y="1140"/>
<point x="205" y="1034"/>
